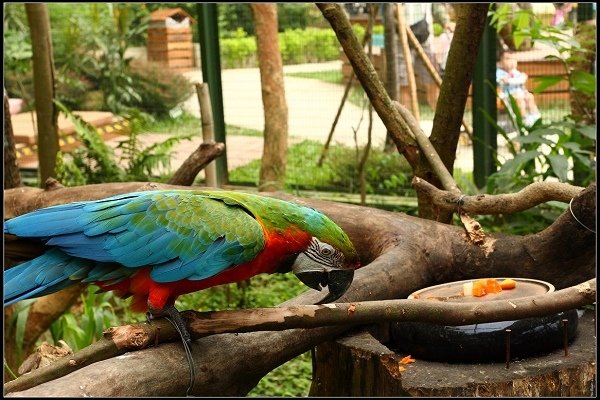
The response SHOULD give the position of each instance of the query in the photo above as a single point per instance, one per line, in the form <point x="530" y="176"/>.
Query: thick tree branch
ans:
<point x="427" y="149"/>
<point x="406" y="253"/>
<point x="118" y="340"/>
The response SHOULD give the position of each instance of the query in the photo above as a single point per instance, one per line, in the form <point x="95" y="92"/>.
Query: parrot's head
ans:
<point x="322" y="264"/>
<point x="329" y="260"/>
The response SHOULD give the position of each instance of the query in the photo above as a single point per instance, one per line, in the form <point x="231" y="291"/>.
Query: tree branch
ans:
<point x="196" y="161"/>
<point x="366" y="74"/>
<point x="530" y="196"/>
<point x="406" y="253"/>
<point x="120" y="339"/>
<point x="454" y="91"/>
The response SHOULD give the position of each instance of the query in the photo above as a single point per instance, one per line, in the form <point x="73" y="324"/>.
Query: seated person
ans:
<point x="512" y="81"/>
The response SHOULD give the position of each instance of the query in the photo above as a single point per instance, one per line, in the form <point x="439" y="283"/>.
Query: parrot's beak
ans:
<point x="317" y="277"/>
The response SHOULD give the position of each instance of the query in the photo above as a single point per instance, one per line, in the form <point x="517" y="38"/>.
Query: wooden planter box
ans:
<point x="170" y="39"/>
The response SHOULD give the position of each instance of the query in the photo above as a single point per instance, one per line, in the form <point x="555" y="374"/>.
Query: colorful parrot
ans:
<point x="158" y="245"/>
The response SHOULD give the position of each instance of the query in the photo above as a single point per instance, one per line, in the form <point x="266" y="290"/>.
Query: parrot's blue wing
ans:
<point x="53" y="271"/>
<point x="181" y="234"/>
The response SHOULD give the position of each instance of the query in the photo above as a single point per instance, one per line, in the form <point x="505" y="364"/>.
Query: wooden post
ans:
<point x="410" y="73"/>
<point x="208" y="136"/>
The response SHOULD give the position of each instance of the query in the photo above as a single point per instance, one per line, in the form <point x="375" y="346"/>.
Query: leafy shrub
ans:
<point x="309" y="45"/>
<point x="95" y="161"/>
<point x="234" y="16"/>
<point x="160" y="89"/>
<point x="238" y="51"/>
<point x="296" y="45"/>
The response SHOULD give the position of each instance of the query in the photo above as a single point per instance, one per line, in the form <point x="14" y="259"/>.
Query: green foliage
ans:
<point x="292" y="378"/>
<point x="95" y="159"/>
<point x="238" y="51"/>
<point x="160" y="89"/>
<point x="92" y="71"/>
<point x="19" y="320"/>
<point x="544" y="151"/>
<point x="234" y="16"/>
<point x="386" y="173"/>
<point x="142" y="163"/>
<point x="310" y="45"/>
<point x="94" y="162"/>
<point x="296" y="45"/>
<point x="571" y="49"/>
<point x="85" y="324"/>
<point x="17" y="51"/>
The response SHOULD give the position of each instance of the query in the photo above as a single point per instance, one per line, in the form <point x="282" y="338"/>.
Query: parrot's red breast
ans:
<point x="147" y="292"/>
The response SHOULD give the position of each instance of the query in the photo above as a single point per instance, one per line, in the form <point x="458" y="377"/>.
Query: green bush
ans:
<point x="160" y="89"/>
<point x="297" y="46"/>
<point x="234" y="16"/>
<point x="238" y="51"/>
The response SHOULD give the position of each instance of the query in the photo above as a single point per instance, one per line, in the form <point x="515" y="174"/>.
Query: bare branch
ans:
<point x="199" y="159"/>
<point x="428" y="150"/>
<point x="530" y="196"/>
<point x="366" y="74"/>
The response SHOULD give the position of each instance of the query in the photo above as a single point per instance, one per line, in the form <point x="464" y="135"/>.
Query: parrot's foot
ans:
<point x="171" y="314"/>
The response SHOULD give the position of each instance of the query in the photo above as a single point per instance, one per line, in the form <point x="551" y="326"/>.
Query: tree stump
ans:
<point x="360" y="365"/>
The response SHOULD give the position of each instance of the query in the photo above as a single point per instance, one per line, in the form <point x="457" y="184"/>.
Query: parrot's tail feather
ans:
<point x="54" y="271"/>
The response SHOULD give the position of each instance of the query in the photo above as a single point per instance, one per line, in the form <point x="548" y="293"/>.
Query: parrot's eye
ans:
<point x="325" y="251"/>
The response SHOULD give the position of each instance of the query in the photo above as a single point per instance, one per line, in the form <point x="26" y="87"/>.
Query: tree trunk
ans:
<point x="391" y="62"/>
<point x="12" y="177"/>
<point x="401" y="254"/>
<point x="44" y="90"/>
<point x="454" y="91"/>
<point x="272" y="170"/>
<point x="359" y="365"/>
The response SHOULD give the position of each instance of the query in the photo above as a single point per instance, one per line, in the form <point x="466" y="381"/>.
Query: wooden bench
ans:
<point x="107" y="125"/>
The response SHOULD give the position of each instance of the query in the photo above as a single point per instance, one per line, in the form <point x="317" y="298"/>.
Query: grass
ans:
<point x="387" y="174"/>
<point x="187" y="123"/>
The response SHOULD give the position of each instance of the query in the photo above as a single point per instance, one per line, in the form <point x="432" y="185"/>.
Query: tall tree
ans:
<point x="391" y="62"/>
<point x="44" y="89"/>
<point x="272" y="171"/>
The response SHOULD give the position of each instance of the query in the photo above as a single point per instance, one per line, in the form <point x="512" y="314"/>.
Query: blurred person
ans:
<point x="561" y="13"/>
<point x="512" y="81"/>
<point x="443" y="20"/>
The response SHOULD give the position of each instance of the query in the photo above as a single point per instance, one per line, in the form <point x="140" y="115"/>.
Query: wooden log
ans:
<point x="360" y="365"/>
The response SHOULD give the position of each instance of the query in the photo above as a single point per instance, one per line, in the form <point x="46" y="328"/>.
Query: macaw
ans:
<point x="158" y="245"/>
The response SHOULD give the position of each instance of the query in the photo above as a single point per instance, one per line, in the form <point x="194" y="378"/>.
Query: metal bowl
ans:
<point x="481" y="343"/>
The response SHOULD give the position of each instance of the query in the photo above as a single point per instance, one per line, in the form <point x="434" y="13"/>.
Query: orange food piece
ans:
<point x="407" y="360"/>
<point x="479" y="288"/>
<point x="508" y="284"/>
<point x="492" y="286"/>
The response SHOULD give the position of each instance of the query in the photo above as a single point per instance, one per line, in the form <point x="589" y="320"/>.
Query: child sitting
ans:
<point x="512" y="81"/>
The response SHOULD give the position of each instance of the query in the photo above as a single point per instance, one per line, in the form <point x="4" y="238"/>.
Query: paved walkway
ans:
<point x="312" y="106"/>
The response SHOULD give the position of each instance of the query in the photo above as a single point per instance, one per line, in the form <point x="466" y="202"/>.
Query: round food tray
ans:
<point x="483" y="342"/>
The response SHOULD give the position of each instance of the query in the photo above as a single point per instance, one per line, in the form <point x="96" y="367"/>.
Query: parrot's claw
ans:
<point x="171" y="314"/>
